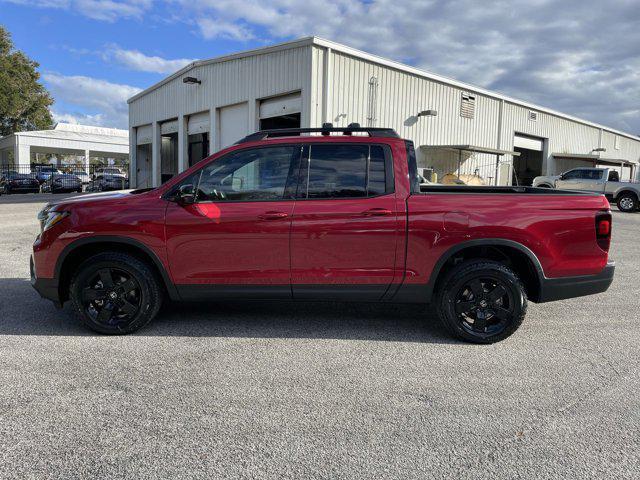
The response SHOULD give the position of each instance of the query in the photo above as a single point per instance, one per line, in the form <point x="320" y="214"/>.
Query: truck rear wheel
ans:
<point x="627" y="202"/>
<point x="115" y="293"/>
<point x="481" y="301"/>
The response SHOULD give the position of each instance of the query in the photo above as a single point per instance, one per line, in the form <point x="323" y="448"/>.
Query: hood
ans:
<point x="93" y="198"/>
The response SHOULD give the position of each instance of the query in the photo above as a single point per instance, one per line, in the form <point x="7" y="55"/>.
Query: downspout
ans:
<point x="326" y="85"/>
<point x="499" y="143"/>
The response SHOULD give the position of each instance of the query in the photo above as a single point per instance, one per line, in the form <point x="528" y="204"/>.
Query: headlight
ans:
<point x="48" y="218"/>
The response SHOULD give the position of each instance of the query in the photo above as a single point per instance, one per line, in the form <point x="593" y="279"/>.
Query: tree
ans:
<point x="24" y="102"/>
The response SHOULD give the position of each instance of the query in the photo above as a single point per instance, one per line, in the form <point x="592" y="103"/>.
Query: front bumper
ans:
<point x="569" y="287"/>
<point x="46" y="287"/>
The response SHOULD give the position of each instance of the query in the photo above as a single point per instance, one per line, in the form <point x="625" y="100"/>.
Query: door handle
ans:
<point x="273" y="215"/>
<point x="377" y="212"/>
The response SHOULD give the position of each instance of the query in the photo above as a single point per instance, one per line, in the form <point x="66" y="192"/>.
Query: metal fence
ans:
<point x="46" y="178"/>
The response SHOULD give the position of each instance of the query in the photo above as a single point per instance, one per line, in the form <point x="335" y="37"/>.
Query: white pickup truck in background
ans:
<point x="600" y="180"/>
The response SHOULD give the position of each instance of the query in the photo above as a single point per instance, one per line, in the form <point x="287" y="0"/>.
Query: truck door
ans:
<point x="345" y="224"/>
<point x="236" y="234"/>
<point x="583" y="179"/>
<point x="571" y="180"/>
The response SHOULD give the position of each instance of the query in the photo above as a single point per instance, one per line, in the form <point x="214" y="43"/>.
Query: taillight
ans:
<point x="603" y="230"/>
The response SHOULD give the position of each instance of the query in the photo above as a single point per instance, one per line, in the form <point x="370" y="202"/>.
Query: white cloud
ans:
<point x="137" y="60"/>
<point x="105" y="10"/>
<point x="565" y="55"/>
<point x="210" y="29"/>
<point x="105" y="102"/>
<point x="97" y="120"/>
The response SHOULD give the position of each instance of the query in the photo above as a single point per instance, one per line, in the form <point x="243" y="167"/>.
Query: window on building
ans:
<point x="347" y="171"/>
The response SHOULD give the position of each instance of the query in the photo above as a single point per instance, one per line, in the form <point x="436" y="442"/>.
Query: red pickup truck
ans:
<point x="322" y="214"/>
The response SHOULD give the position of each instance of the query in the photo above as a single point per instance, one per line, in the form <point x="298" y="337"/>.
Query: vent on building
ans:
<point x="533" y="116"/>
<point x="468" y="106"/>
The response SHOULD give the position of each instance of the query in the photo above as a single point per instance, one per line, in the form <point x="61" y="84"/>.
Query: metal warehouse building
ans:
<point x="457" y="128"/>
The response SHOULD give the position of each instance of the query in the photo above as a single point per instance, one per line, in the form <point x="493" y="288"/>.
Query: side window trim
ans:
<point x="305" y="167"/>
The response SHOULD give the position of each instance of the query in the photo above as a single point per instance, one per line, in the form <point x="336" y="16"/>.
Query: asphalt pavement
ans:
<point x="338" y="391"/>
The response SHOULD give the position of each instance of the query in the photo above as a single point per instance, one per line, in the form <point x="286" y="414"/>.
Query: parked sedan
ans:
<point x="84" y="177"/>
<point x="44" y="172"/>
<point x="12" y="181"/>
<point x="104" y="183"/>
<point x="62" y="183"/>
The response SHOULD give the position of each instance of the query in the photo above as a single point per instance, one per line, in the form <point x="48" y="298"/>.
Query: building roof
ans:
<point x="68" y="131"/>
<point x="353" y="52"/>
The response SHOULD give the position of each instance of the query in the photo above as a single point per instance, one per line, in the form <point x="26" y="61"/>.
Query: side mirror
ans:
<point x="186" y="195"/>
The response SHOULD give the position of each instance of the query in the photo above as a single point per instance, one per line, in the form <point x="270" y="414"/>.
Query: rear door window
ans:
<point x="347" y="171"/>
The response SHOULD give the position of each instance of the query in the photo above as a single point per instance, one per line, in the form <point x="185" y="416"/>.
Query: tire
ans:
<point x="627" y="202"/>
<point x="459" y="307"/>
<point x="122" y="300"/>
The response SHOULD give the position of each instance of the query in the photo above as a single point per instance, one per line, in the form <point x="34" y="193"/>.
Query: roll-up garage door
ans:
<point x="530" y="143"/>
<point x="144" y="135"/>
<point x="232" y="125"/>
<point x="198" y="123"/>
<point x="169" y="127"/>
<point x="283" y="105"/>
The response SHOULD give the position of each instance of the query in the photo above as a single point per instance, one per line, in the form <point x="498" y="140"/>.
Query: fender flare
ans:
<point x="623" y="190"/>
<point x="423" y="292"/>
<point x="170" y="286"/>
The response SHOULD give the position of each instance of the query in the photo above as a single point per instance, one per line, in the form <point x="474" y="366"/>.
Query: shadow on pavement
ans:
<point x="23" y="312"/>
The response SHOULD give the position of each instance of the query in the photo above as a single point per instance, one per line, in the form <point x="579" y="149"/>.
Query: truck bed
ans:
<point x="499" y="190"/>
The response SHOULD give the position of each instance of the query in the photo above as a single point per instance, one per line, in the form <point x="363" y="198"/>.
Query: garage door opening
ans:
<point x="281" y="112"/>
<point x="283" y="121"/>
<point x="143" y="157"/>
<point x="143" y="166"/>
<point x="528" y="165"/>
<point x="198" y="147"/>
<point x="198" y="141"/>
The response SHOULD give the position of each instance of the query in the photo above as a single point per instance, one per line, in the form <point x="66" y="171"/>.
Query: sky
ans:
<point x="580" y="57"/>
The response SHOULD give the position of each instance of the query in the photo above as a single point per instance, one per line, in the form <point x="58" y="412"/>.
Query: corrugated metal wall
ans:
<point x="402" y="95"/>
<point x="344" y="95"/>
<point x="227" y="83"/>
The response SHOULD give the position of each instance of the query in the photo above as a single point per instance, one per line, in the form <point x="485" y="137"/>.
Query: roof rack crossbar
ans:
<point x="281" y="132"/>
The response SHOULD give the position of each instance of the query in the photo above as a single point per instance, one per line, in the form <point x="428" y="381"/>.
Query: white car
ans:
<point x="109" y="172"/>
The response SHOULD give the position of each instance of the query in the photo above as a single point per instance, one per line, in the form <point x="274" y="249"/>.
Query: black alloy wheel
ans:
<point x="115" y="293"/>
<point x="111" y="297"/>
<point x="481" y="301"/>
<point x="484" y="305"/>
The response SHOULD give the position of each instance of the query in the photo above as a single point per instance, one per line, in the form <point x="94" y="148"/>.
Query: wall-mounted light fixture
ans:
<point x="599" y="149"/>
<point x="428" y="113"/>
<point x="191" y="80"/>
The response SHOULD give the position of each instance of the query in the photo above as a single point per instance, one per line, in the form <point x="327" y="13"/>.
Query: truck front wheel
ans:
<point x="481" y="301"/>
<point x="115" y="293"/>
<point x="627" y="202"/>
